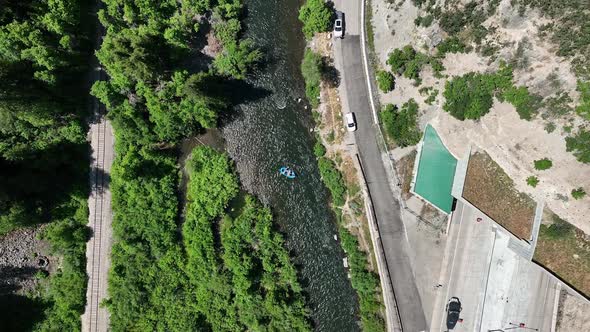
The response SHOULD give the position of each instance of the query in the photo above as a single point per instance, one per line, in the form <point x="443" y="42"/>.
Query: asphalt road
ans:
<point x="387" y="209"/>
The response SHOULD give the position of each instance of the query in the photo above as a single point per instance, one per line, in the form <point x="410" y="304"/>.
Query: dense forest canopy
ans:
<point x="44" y="56"/>
<point x="207" y="270"/>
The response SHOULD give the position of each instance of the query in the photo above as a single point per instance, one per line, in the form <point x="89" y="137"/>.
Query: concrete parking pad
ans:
<point x="496" y="286"/>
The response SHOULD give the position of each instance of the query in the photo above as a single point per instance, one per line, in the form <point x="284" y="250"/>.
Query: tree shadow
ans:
<point x="9" y="274"/>
<point x="330" y="74"/>
<point x="20" y="313"/>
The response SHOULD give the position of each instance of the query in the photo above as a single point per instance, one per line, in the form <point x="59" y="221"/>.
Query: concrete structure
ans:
<point x="497" y="287"/>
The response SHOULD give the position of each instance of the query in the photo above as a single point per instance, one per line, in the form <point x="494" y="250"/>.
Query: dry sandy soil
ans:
<point x="572" y="316"/>
<point x="513" y="143"/>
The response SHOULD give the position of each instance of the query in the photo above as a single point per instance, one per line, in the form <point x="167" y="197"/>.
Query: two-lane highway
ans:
<point x="349" y="59"/>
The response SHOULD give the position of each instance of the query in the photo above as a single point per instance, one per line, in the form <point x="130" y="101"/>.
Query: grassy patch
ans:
<point x="490" y="189"/>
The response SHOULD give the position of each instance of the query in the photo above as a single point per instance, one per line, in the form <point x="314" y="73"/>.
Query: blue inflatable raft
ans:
<point x="287" y="172"/>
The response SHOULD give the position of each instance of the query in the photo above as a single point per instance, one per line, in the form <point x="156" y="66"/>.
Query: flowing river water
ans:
<point x="274" y="130"/>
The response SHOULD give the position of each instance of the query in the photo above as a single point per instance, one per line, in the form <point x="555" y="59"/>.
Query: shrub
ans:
<point x="399" y="58"/>
<point x="311" y="69"/>
<point x="543" y="164"/>
<point x="385" y="80"/>
<point x="425" y="21"/>
<point x="451" y="45"/>
<point x="578" y="193"/>
<point x="318" y="149"/>
<point x="579" y="145"/>
<point x="316" y="16"/>
<point x="469" y="96"/>
<point x="525" y="103"/>
<point x="557" y="229"/>
<point x="401" y="125"/>
<point x="584" y="108"/>
<point x="333" y="180"/>
<point x="532" y="181"/>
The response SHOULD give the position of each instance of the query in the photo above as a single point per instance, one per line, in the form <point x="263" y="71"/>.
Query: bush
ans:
<point x="424" y="21"/>
<point x="578" y="193"/>
<point x="559" y="228"/>
<point x="311" y="69"/>
<point x="401" y="125"/>
<point x="318" y="149"/>
<point x="543" y="164"/>
<point x="316" y="16"/>
<point x="385" y="80"/>
<point x="579" y="145"/>
<point x="532" y="181"/>
<point x="584" y="108"/>
<point x="469" y="96"/>
<point x="526" y="104"/>
<point x="450" y="45"/>
<point x="333" y="180"/>
<point x="407" y="61"/>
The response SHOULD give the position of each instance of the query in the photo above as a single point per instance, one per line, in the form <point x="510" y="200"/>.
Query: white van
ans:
<point x="350" y="121"/>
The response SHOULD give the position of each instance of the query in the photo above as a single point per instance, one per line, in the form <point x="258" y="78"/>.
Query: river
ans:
<point x="273" y="131"/>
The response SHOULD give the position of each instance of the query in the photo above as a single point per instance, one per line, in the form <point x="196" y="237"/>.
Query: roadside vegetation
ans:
<point x="364" y="282"/>
<point x="409" y="62"/>
<point x="45" y="50"/>
<point x="401" y="125"/>
<point x="385" y="81"/>
<point x="311" y="69"/>
<point x="343" y="194"/>
<point x="316" y="17"/>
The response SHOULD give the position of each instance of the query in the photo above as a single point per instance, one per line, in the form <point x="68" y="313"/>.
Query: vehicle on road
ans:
<point x="453" y="310"/>
<point x="339" y="25"/>
<point x="350" y="121"/>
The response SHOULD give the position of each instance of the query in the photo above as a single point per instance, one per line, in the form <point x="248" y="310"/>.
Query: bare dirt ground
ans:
<point x="405" y="166"/>
<point x="22" y="256"/>
<point x="511" y="142"/>
<point x="573" y="314"/>
<point x="489" y="188"/>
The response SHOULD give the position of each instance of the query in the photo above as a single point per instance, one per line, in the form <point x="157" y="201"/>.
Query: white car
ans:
<point x="339" y="25"/>
<point x="350" y="121"/>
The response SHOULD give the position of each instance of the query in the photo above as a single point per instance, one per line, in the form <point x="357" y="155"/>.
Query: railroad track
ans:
<point x="95" y="318"/>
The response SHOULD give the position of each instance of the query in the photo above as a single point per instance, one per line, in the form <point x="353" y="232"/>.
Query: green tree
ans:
<point x="316" y="16"/>
<point x="402" y="125"/>
<point x="237" y="59"/>
<point x="543" y="164"/>
<point x="385" y="81"/>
